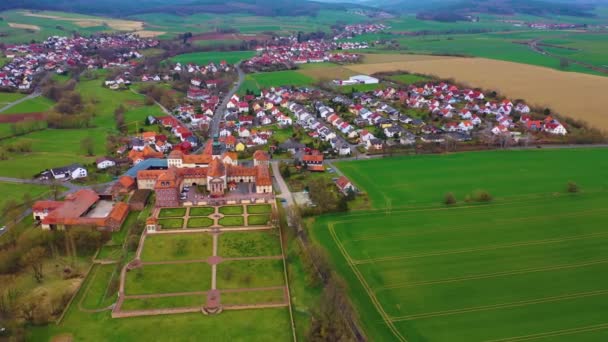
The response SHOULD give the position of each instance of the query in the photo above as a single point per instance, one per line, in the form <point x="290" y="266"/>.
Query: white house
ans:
<point x="73" y="171"/>
<point x="104" y="163"/>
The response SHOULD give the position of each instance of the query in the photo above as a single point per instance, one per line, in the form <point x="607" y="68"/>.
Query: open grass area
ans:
<point x="201" y="211"/>
<point x="173" y="278"/>
<point x="164" y="247"/>
<point x="171" y="223"/>
<point x="232" y="221"/>
<point x="16" y="191"/>
<point x="408" y="78"/>
<point x="249" y="244"/>
<point x="250" y="274"/>
<point x="253" y="297"/>
<point x="280" y="78"/>
<point x="258" y="220"/>
<point x="419" y="270"/>
<point x="110" y="252"/>
<point x="199" y="222"/>
<point x="359" y="88"/>
<point x="264" y="325"/>
<point x="6" y="98"/>
<point x="190" y="301"/>
<point x="259" y="209"/>
<point x="96" y="296"/>
<point x="231" y="57"/>
<point x="172" y="212"/>
<point x="35" y="105"/>
<point x="231" y="210"/>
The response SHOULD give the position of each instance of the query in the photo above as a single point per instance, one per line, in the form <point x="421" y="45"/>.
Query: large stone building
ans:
<point x="217" y="170"/>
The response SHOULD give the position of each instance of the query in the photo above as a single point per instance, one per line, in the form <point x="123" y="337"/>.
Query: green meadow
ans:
<point x="276" y="79"/>
<point x="200" y="58"/>
<point x="419" y="270"/>
<point x="35" y="105"/>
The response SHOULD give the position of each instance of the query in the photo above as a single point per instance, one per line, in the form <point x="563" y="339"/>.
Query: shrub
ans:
<point x="449" y="199"/>
<point x="572" y="187"/>
<point x="482" y="196"/>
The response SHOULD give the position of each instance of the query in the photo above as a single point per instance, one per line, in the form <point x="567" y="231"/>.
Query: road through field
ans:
<point x="569" y="94"/>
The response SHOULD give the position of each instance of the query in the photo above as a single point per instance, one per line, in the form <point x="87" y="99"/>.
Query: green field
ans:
<point x="231" y="210"/>
<point x="15" y="191"/>
<point x="35" y="105"/>
<point x="278" y="78"/>
<point x="249" y="244"/>
<point x="258" y="220"/>
<point x="250" y="274"/>
<point x="200" y="58"/>
<point x="408" y="78"/>
<point x="171" y="223"/>
<point x="96" y="296"/>
<point x="164" y="247"/>
<point x="232" y="221"/>
<point x="420" y="271"/>
<point x="190" y="301"/>
<point x="172" y="212"/>
<point x="6" y="98"/>
<point x="172" y="278"/>
<point x="199" y="222"/>
<point x="201" y="211"/>
<point x="259" y="209"/>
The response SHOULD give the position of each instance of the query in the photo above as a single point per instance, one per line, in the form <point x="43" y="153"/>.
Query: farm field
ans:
<point x="325" y="71"/>
<point x="35" y="105"/>
<point x="418" y="270"/>
<point x="15" y="191"/>
<point x="231" y="57"/>
<point x="28" y="25"/>
<point x="279" y="78"/>
<point x="511" y="79"/>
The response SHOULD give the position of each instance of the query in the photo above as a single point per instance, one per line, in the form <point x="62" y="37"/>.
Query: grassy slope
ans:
<point x="372" y="235"/>
<point x="35" y="105"/>
<point x="14" y="191"/>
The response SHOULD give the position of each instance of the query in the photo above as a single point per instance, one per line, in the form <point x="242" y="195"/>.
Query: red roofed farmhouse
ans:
<point x="82" y="208"/>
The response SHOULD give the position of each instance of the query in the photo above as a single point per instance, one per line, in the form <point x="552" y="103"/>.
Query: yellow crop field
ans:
<point x="24" y="26"/>
<point x="117" y="24"/>
<point x="570" y="94"/>
<point x="149" y="34"/>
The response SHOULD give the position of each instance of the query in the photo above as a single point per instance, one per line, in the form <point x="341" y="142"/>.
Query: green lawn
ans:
<point x="280" y="78"/>
<point x="231" y="210"/>
<point x="153" y="279"/>
<point x="232" y="221"/>
<point x="475" y="272"/>
<point x="201" y="211"/>
<point x="253" y="297"/>
<point x="259" y="209"/>
<point x="172" y="212"/>
<point x="360" y="88"/>
<point x="249" y="244"/>
<point x="164" y="302"/>
<point x="16" y="191"/>
<point x="35" y="105"/>
<point x="110" y="252"/>
<point x="6" y="98"/>
<point x="408" y="78"/>
<point x="171" y="223"/>
<point x="250" y="274"/>
<point x="199" y="222"/>
<point x="164" y="247"/>
<point x="258" y="220"/>
<point x="231" y="57"/>
<point x="96" y="296"/>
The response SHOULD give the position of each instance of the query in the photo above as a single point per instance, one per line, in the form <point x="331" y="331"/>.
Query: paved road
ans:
<point x="285" y="192"/>
<point x="35" y="94"/>
<point x="221" y="109"/>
